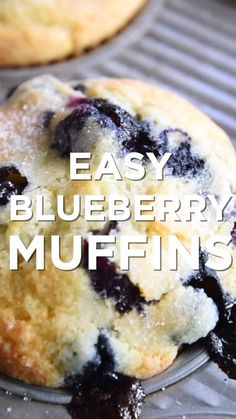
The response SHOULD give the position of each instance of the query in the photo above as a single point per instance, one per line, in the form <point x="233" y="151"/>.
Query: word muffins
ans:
<point x="60" y="326"/>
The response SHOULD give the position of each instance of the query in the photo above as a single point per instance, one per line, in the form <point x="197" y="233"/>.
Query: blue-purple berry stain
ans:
<point x="233" y="234"/>
<point x="108" y="282"/>
<point x="99" y="392"/>
<point x="11" y="183"/>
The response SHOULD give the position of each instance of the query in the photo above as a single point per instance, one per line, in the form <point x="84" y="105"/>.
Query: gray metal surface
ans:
<point x="207" y="393"/>
<point x="188" y="46"/>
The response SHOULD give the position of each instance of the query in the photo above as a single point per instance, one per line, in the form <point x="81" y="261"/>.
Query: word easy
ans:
<point x="81" y="165"/>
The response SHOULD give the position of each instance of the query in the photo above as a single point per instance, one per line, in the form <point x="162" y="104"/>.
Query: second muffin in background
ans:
<point x="33" y="32"/>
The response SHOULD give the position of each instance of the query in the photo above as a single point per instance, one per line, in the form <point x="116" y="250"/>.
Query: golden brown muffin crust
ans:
<point x="47" y="317"/>
<point x="38" y="32"/>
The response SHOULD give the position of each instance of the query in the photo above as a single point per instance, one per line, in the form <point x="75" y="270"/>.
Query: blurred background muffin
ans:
<point x="38" y="32"/>
<point x="188" y="47"/>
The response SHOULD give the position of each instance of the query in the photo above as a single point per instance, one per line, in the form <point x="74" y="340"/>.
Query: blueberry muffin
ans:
<point x="33" y="32"/>
<point x="55" y="324"/>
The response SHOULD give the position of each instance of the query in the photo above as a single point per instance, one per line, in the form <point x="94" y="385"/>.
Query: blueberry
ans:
<point x="7" y="189"/>
<point x="131" y="134"/>
<point x="106" y="354"/>
<point x="11" y="183"/>
<point x="116" y="114"/>
<point x="109" y="283"/>
<point x="233" y="234"/>
<point x="113" y="117"/>
<point x="221" y="342"/>
<point x="141" y="140"/>
<point x="80" y="87"/>
<point x="111" y="396"/>
<point x="99" y="392"/>
<point x="207" y="280"/>
<point x="46" y="118"/>
<point x="182" y="162"/>
<point x="67" y="131"/>
<point x="103" y="363"/>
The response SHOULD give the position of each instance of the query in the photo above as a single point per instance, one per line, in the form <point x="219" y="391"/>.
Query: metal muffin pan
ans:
<point x="187" y="362"/>
<point x="188" y="47"/>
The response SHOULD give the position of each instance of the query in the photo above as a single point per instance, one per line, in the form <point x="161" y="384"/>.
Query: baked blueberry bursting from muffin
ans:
<point x="67" y="131"/>
<point x="109" y="283"/>
<point x="221" y="342"/>
<point x="233" y="234"/>
<point x="111" y="396"/>
<point x="103" y="361"/>
<point x="46" y="118"/>
<point x="132" y="135"/>
<point x="182" y="162"/>
<point x="11" y="183"/>
<point x="101" y="393"/>
<point x="128" y="130"/>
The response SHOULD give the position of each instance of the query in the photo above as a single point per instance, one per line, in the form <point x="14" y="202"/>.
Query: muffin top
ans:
<point x="55" y="324"/>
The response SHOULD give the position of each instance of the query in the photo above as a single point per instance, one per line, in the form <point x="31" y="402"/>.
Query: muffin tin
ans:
<point x="187" y="362"/>
<point x="71" y="68"/>
<point x="187" y="46"/>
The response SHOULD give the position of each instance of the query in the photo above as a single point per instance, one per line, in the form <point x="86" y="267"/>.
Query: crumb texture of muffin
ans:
<point x="39" y="32"/>
<point x="51" y="322"/>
